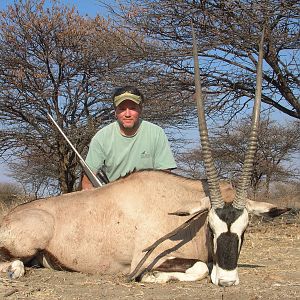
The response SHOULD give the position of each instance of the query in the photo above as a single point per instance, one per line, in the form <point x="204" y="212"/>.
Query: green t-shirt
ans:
<point x="117" y="154"/>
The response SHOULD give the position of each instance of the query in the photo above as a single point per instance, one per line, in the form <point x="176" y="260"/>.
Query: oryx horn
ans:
<point x="211" y="172"/>
<point x="244" y="181"/>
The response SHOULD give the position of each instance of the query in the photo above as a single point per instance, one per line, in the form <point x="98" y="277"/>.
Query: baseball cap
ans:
<point x="127" y="96"/>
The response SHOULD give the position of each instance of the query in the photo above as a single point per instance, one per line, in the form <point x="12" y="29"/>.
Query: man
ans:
<point x="129" y="143"/>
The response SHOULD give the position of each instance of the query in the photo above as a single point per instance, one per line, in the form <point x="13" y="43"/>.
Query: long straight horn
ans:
<point x="211" y="172"/>
<point x="241" y="191"/>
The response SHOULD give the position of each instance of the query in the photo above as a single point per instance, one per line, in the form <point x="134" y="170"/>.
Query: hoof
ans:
<point x="16" y="270"/>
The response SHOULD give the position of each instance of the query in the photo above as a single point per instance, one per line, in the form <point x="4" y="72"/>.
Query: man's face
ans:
<point x="128" y="114"/>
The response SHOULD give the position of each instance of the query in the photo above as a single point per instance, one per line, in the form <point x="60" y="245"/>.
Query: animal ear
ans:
<point x="192" y="208"/>
<point x="264" y="209"/>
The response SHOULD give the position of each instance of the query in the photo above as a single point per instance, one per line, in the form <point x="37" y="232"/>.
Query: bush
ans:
<point x="11" y="195"/>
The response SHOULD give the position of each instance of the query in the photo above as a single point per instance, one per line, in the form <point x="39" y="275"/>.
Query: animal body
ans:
<point x="105" y="230"/>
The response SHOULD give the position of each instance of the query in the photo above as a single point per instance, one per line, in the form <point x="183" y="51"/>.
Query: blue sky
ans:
<point x="85" y="7"/>
<point x="90" y="7"/>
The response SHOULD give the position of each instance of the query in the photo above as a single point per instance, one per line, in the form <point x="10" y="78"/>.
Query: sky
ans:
<point x="90" y="7"/>
<point x="85" y="7"/>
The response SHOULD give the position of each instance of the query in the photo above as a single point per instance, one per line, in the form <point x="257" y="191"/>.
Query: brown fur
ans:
<point x="105" y="230"/>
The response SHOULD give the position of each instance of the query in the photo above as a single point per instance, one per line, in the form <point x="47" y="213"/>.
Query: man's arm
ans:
<point x="164" y="159"/>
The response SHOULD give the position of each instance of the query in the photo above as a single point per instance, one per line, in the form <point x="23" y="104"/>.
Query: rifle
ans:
<point x="92" y="177"/>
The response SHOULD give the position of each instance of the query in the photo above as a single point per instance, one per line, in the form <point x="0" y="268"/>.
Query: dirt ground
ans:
<point x="269" y="268"/>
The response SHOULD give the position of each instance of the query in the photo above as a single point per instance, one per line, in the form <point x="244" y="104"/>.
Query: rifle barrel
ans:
<point x="92" y="177"/>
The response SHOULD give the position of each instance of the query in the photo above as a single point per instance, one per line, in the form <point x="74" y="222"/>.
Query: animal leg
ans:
<point x="23" y="233"/>
<point x="197" y="272"/>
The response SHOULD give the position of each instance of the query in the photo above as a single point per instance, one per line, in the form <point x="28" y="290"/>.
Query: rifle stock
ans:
<point x="92" y="177"/>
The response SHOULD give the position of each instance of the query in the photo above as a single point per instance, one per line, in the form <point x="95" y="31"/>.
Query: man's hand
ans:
<point x="86" y="184"/>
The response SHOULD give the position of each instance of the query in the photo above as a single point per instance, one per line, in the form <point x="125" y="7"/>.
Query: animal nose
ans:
<point x="226" y="283"/>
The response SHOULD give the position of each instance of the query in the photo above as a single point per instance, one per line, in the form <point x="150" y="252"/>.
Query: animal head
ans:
<point x="228" y="225"/>
<point x="227" y="222"/>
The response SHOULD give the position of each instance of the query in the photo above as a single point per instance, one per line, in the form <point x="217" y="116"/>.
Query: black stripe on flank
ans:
<point x="176" y="265"/>
<point x="227" y="250"/>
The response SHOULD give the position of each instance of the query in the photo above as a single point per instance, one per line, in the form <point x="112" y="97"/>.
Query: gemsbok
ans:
<point x="153" y="225"/>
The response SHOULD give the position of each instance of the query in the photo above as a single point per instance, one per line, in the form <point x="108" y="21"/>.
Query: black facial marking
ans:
<point x="227" y="250"/>
<point x="229" y="214"/>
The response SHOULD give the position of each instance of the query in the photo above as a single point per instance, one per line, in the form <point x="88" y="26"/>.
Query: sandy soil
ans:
<point x="269" y="268"/>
